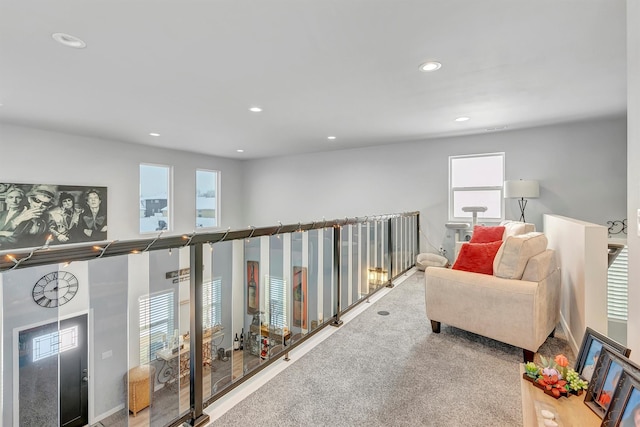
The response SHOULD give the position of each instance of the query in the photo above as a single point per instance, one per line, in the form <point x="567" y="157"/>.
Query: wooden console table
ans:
<point x="571" y="411"/>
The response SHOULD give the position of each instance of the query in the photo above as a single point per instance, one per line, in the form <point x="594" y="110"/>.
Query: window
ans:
<point x="212" y="303"/>
<point x="207" y="200"/>
<point x="156" y="323"/>
<point x="277" y="302"/>
<point x="55" y="342"/>
<point x="155" y="202"/>
<point x="476" y="180"/>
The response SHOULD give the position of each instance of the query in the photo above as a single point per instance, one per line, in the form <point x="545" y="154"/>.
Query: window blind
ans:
<point x="212" y="303"/>
<point x="617" y="302"/>
<point x="277" y="302"/>
<point x="156" y="323"/>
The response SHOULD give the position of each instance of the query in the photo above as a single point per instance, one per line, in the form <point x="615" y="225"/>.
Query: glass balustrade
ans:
<point x="114" y="339"/>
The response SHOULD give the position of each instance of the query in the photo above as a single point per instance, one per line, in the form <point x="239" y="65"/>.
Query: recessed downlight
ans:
<point x="462" y="119"/>
<point x="255" y="109"/>
<point x="430" y="66"/>
<point x="154" y="134"/>
<point x="69" y="40"/>
<point x="331" y="137"/>
<point x="240" y="150"/>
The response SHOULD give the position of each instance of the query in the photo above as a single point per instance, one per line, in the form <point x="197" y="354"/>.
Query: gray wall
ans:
<point x="38" y="156"/>
<point x="581" y="168"/>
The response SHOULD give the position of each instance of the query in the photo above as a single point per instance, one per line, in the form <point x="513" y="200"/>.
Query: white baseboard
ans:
<point x="570" y="338"/>
<point x="107" y="414"/>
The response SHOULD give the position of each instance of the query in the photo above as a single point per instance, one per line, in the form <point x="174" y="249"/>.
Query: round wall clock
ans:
<point x="55" y="289"/>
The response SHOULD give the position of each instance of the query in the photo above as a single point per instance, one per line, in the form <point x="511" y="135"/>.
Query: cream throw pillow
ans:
<point x="512" y="258"/>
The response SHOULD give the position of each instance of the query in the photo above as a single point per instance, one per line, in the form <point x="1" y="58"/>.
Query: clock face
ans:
<point x="55" y="289"/>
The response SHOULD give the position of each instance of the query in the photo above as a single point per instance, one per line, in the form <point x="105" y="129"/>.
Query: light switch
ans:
<point x="107" y="354"/>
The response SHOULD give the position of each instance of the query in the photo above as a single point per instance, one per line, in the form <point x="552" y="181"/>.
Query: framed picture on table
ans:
<point x="589" y="353"/>
<point x="624" y="410"/>
<point x="608" y="371"/>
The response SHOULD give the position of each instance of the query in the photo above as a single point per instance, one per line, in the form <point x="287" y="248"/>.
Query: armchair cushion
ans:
<point x="477" y="257"/>
<point x="484" y="234"/>
<point x="512" y="258"/>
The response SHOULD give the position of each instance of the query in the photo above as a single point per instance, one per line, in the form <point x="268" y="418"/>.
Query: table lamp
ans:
<point x="522" y="190"/>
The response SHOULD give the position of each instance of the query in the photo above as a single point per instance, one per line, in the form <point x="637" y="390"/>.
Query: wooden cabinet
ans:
<point x="140" y="387"/>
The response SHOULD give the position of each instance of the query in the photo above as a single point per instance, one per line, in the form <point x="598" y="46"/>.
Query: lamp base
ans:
<point x="522" y="203"/>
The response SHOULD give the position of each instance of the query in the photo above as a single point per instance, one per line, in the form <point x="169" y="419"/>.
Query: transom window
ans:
<point x="476" y="180"/>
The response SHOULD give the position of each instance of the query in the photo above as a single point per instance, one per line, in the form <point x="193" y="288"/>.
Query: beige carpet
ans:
<point x="391" y="370"/>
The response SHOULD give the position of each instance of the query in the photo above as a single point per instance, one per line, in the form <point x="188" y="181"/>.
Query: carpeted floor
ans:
<point x="391" y="370"/>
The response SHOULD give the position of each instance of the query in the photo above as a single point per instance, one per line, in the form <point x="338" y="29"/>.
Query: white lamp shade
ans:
<point x="521" y="189"/>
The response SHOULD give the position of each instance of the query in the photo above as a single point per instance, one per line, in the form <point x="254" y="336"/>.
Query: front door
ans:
<point x="45" y="350"/>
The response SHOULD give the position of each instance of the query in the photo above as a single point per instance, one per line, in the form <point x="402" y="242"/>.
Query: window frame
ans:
<point x="170" y="209"/>
<point x="452" y="190"/>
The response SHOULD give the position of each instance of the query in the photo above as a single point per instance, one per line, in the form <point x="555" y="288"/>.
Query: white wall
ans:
<point x="581" y="248"/>
<point x="633" y="174"/>
<point x="580" y="166"/>
<point x="38" y="156"/>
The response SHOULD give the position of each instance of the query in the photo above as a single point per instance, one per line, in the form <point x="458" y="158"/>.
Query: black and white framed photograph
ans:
<point x="624" y="410"/>
<point x="35" y="215"/>
<point x="590" y="352"/>
<point x="609" y="368"/>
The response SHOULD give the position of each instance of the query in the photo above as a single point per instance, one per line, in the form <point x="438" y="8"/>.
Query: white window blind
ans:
<point x="156" y="323"/>
<point x="617" y="287"/>
<point x="278" y="302"/>
<point x="212" y="303"/>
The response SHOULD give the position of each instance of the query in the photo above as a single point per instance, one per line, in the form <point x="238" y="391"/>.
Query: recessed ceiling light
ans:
<point x="462" y="119"/>
<point x="430" y="66"/>
<point x="240" y="151"/>
<point x="331" y="137"/>
<point x="154" y="134"/>
<point x="69" y="40"/>
<point x="255" y="109"/>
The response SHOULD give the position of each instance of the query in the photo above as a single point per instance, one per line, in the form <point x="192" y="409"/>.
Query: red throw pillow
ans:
<point x="482" y="234"/>
<point x="477" y="257"/>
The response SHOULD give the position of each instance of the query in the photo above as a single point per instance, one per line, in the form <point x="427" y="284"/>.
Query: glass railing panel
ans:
<point x="117" y="391"/>
<point x="345" y="267"/>
<point x="30" y="331"/>
<point x="311" y="255"/>
<point x="364" y="259"/>
<point x="299" y="259"/>
<point x="158" y="282"/>
<point x="256" y="270"/>
<point x="221" y="366"/>
<point x="355" y="264"/>
<point x="328" y="275"/>
<point x="276" y="323"/>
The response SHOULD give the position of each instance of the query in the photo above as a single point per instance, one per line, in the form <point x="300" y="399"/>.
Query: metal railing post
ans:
<point x="337" y="248"/>
<point x="195" y="342"/>
<point x="390" y="254"/>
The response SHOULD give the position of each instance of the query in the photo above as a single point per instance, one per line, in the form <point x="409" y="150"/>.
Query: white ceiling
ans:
<point x="190" y="69"/>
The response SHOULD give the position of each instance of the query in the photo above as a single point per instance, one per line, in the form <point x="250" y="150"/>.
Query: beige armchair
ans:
<point x="519" y="304"/>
